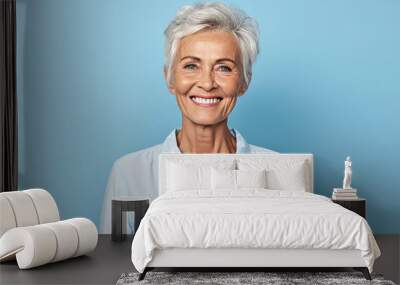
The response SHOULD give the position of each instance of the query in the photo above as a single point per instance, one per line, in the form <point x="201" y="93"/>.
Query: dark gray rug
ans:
<point x="269" y="278"/>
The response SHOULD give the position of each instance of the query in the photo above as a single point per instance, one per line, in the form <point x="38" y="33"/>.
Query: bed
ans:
<point x="245" y="211"/>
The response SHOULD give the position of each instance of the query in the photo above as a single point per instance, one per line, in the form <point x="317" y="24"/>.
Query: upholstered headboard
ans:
<point x="240" y="161"/>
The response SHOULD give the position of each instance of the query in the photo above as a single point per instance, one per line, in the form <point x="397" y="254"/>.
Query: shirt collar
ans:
<point x="170" y="144"/>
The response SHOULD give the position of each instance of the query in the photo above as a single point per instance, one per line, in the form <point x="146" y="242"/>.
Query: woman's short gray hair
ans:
<point x="193" y="18"/>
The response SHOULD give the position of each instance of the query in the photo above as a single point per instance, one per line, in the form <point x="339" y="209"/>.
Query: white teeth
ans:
<point x="206" y="101"/>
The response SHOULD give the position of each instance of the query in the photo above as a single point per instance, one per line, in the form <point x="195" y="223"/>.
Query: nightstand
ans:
<point x="119" y="205"/>
<point x="357" y="206"/>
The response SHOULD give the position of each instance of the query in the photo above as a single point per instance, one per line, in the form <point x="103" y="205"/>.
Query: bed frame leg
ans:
<point x="143" y="274"/>
<point x="364" y="271"/>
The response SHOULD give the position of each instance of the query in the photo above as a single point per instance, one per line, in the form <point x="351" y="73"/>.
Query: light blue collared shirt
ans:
<point x="136" y="174"/>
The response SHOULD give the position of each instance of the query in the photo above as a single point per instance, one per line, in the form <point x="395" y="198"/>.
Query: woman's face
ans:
<point x="207" y="76"/>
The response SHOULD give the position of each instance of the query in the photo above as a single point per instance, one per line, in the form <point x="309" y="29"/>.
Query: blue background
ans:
<point x="91" y="89"/>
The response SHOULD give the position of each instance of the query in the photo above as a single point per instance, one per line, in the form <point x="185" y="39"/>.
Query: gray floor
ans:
<point x="102" y="266"/>
<point x="389" y="262"/>
<point x="110" y="260"/>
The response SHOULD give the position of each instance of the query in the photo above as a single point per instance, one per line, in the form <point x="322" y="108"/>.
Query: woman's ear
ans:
<point x="170" y="86"/>
<point x="243" y="87"/>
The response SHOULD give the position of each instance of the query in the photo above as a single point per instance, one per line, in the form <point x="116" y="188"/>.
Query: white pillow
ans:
<point x="182" y="177"/>
<point x="237" y="179"/>
<point x="189" y="176"/>
<point x="282" y="174"/>
<point x="223" y="179"/>
<point x="251" y="178"/>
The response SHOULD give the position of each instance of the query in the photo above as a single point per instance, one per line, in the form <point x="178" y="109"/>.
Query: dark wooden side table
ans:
<point x="357" y="206"/>
<point x="126" y="204"/>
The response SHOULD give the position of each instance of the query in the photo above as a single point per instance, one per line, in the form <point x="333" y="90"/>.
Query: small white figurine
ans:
<point x="347" y="174"/>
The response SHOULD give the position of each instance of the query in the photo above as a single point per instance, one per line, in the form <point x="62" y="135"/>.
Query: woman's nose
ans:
<point x="207" y="80"/>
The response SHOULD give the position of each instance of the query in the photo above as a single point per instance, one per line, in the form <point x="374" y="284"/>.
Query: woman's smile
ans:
<point x="205" y="101"/>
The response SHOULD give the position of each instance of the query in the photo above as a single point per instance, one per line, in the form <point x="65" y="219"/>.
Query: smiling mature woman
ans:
<point x="209" y="52"/>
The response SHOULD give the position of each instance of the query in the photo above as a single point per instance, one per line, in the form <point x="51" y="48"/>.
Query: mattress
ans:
<point x="250" y="219"/>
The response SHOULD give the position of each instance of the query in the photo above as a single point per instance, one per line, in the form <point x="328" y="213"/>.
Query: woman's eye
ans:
<point x="190" y="66"/>
<point x="224" y="68"/>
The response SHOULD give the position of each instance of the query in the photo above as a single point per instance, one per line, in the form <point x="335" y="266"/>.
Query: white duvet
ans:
<point x="251" y="218"/>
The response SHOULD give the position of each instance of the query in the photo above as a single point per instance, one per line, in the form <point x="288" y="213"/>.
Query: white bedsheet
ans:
<point x="251" y="218"/>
